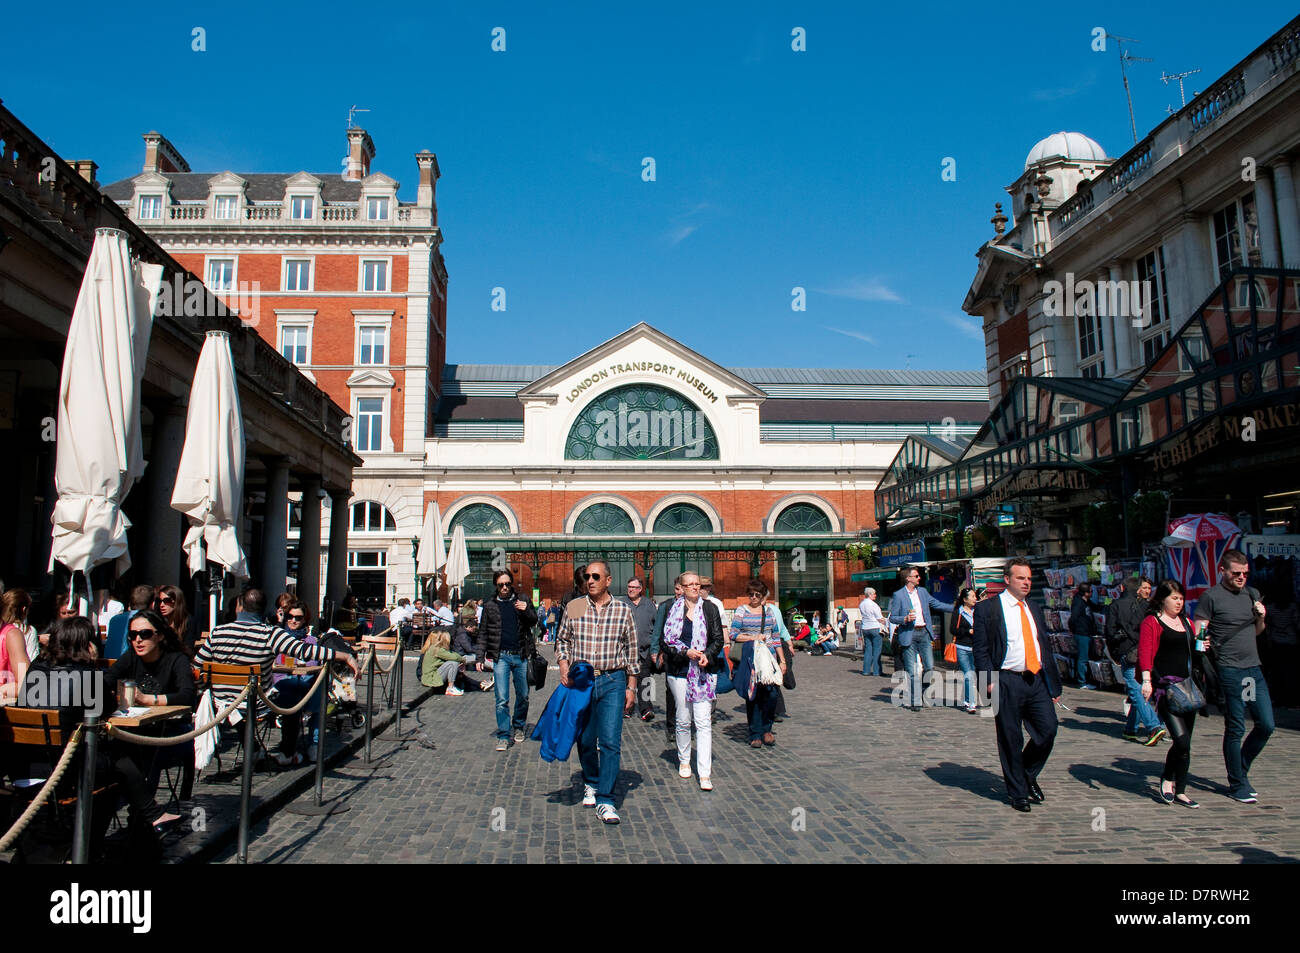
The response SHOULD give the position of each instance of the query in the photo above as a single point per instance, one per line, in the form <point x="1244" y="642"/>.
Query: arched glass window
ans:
<point x="641" y="422"/>
<point x="480" y="519"/>
<point x="603" y="519"/>
<point x="802" y="518"/>
<point x="683" y="519"/>
<point x="371" y="517"/>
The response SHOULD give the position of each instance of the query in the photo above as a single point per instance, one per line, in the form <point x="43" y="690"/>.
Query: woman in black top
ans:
<point x="962" y="630"/>
<point x="158" y="665"/>
<point x="1165" y="651"/>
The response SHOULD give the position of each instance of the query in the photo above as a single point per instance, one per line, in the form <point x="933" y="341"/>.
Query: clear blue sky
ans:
<point x="774" y="168"/>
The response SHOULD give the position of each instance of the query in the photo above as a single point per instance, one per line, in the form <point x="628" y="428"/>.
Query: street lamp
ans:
<point x="415" y="558"/>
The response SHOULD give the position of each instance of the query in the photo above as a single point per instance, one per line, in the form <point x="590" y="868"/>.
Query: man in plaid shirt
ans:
<point x="599" y="629"/>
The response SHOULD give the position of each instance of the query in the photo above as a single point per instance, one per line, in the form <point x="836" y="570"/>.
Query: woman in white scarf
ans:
<point x="692" y="640"/>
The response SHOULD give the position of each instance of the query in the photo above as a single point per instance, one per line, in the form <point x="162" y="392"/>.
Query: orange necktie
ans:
<point x="1031" y="647"/>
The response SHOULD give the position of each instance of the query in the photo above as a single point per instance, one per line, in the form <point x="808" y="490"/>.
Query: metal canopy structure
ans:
<point x="1238" y="351"/>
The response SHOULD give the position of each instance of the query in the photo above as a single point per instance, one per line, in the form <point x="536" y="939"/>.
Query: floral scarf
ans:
<point x="699" y="686"/>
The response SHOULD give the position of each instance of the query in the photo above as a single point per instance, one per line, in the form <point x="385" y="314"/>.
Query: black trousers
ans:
<point x="1024" y="703"/>
<point x="1179" y="759"/>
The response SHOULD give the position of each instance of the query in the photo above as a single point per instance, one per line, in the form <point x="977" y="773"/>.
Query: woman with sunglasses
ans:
<point x="155" y="661"/>
<point x="760" y="622"/>
<point x="291" y="689"/>
<point x="170" y="604"/>
<point x="690" y="643"/>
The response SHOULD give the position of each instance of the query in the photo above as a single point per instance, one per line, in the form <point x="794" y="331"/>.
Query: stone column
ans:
<point x="1288" y="213"/>
<point x="1121" y="325"/>
<point x="336" y="566"/>
<point x="309" y="546"/>
<point x="159" y="545"/>
<point x="275" y="528"/>
<point x="1270" y="249"/>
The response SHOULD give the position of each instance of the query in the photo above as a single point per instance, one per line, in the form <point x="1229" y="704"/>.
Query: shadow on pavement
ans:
<point x="968" y="778"/>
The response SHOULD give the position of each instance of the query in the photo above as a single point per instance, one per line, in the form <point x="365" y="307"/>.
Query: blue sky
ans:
<point x="774" y="168"/>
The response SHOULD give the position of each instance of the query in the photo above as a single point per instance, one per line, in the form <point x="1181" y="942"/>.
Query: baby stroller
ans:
<point x="342" y="701"/>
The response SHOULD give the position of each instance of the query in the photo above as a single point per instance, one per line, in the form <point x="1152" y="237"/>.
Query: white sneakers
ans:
<point x="683" y="770"/>
<point x="588" y="796"/>
<point x="607" y="813"/>
<point x="706" y="784"/>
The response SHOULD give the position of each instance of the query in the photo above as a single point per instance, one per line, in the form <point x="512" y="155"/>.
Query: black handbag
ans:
<point x="537" y="672"/>
<point x="1182" y="695"/>
<point x="787" y="679"/>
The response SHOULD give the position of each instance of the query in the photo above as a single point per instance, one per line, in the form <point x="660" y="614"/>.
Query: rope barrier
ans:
<point x="311" y="692"/>
<point x="152" y="741"/>
<point x="51" y="783"/>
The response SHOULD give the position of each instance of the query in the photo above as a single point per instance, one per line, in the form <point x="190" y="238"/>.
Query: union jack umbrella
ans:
<point x="1193" y="548"/>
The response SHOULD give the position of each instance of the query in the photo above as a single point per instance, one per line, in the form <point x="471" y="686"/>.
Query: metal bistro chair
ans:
<point x="218" y="675"/>
<point x="383" y="643"/>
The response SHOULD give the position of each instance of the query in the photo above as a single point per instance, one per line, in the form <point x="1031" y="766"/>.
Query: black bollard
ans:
<point x="370" y="698"/>
<point x="397" y="677"/>
<point x="85" y="791"/>
<point x="250" y="752"/>
<point x="320" y="733"/>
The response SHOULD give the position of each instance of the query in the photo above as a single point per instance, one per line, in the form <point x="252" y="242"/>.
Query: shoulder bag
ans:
<point x="1182" y="695"/>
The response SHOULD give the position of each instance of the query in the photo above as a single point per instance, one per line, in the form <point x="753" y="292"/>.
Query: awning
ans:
<point x="671" y="544"/>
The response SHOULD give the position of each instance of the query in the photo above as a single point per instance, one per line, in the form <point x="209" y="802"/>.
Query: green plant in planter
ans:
<point x="862" y="551"/>
<point x="949" y="542"/>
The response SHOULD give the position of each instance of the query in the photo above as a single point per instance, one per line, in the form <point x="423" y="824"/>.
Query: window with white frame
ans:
<point x="367" y="559"/>
<point x="372" y="344"/>
<point x="368" y="516"/>
<point x="301" y="206"/>
<point x="377" y="209"/>
<point x="221" y="274"/>
<point x="1154" y="333"/>
<point x="369" y="424"/>
<point x="295" y="343"/>
<point x="151" y="206"/>
<point x="1236" y="235"/>
<point x="374" y="274"/>
<point x="1088" y="332"/>
<point x="225" y="206"/>
<point x="297" y="274"/>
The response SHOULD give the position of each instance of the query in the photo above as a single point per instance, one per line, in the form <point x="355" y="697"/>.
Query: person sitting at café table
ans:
<point x="157" y="663"/>
<point x="291" y="689"/>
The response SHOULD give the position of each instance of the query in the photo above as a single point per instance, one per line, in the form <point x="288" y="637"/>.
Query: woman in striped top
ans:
<point x="758" y="622"/>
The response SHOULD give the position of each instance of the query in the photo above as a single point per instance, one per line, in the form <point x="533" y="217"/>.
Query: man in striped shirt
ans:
<point x="601" y="630"/>
<point x="250" y="641"/>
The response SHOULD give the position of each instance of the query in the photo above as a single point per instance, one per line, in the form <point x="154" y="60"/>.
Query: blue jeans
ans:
<point x="760" y="711"/>
<point x="1082" y="646"/>
<point x="507" y="665"/>
<point x="288" y="692"/>
<point x="1238" y="757"/>
<point x="1140" y="712"/>
<point x="871" y="652"/>
<point x="966" y="662"/>
<point x="921" y="644"/>
<point x="604" y="724"/>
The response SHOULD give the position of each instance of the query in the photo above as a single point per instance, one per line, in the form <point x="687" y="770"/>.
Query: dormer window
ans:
<point x="150" y="206"/>
<point x="301" y="206"/>
<point x="225" y="206"/>
<point x="377" y="209"/>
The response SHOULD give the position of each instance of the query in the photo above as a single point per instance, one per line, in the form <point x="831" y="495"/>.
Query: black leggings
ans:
<point x="1179" y="758"/>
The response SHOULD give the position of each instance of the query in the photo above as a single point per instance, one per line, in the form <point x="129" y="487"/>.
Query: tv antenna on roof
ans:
<point x="1126" y="57"/>
<point x="1167" y="78"/>
<point x="352" y="113"/>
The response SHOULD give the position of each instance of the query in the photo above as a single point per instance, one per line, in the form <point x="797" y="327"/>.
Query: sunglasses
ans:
<point x="143" y="634"/>
<point x="166" y="601"/>
<point x="504" y="585"/>
<point x="296" y="618"/>
<point x="591" y="575"/>
<point x="1234" y="572"/>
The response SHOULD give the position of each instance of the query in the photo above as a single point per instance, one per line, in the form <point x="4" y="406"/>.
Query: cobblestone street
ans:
<point x="852" y="779"/>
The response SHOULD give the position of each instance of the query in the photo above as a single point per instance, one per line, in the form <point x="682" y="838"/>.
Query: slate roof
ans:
<point x="262" y="186"/>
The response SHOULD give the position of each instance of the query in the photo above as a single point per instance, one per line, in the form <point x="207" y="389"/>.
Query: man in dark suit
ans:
<point x="1013" y="652"/>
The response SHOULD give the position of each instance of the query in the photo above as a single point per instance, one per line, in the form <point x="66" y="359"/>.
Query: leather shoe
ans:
<point x="1021" y="805"/>
<point x="1035" y="792"/>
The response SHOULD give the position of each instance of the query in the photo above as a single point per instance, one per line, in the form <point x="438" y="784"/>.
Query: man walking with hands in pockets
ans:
<point x="601" y="630"/>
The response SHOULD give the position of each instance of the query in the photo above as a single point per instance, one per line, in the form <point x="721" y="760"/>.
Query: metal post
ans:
<point x="370" y="698"/>
<point x="85" y="792"/>
<point x="320" y="734"/>
<point x="397" y="674"/>
<point x="250" y="752"/>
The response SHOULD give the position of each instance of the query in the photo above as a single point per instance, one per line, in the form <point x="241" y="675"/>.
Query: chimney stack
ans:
<point x="426" y="195"/>
<point x="361" y="149"/>
<point x="161" y="156"/>
<point x="85" y="168"/>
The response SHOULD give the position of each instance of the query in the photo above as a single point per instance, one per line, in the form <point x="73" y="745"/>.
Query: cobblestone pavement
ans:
<point x="852" y="779"/>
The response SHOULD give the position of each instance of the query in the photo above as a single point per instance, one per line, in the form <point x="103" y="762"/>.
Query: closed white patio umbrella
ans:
<point x="98" y="455"/>
<point x="210" y="480"/>
<point x="457" y="560"/>
<point x="433" y="549"/>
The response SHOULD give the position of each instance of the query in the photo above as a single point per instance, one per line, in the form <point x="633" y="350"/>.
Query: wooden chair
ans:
<point x="36" y="734"/>
<point x="214" y="675"/>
